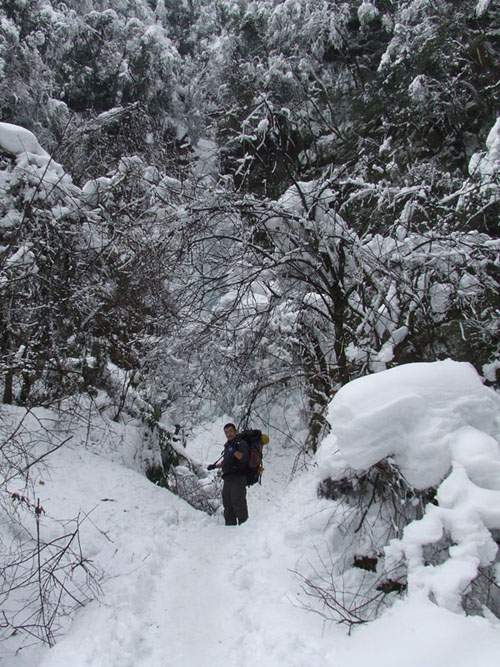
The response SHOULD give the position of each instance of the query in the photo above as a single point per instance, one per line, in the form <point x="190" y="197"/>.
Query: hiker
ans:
<point x="234" y="466"/>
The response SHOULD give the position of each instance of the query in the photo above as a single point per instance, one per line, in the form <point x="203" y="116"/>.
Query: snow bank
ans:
<point x="416" y="414"/>
<point x="441" y="427"/>
<point x="420" y="634"/>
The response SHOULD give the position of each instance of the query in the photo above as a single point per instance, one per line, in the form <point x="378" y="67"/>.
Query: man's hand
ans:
<point x="238" y="455"/>
<point x="212" y="466"/>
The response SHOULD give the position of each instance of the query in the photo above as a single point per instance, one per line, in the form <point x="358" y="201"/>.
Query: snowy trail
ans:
<point x="217" y="599"/>
<point x="184" y="590"/>
<point x="225" y="591"/>
<point x="199" y="608"/>
<point x="197" y="602"/>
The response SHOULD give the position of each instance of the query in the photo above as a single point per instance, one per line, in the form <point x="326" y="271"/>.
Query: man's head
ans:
<point x="230" y="431"/>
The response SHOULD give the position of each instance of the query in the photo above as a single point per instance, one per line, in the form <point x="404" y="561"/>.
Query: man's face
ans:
<point x="229" y="432"/>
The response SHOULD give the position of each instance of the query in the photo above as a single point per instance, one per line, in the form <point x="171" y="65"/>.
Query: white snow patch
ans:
<point x="417" y="633"/>
<point x="410" y="412"/>
<point x="367" y="12"/>
<point x="263" y="126"/>
<point x="418" y="88"/>
<point x="482" y="7"/>
<point x="490" y="370"/>
<point x="488" y="163"/>
<point x="16" y="140"/>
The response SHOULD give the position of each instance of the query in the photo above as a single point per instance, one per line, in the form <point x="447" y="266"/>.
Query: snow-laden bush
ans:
<point x="413" y="463"/>
<point x="79" y="305"/>
<point x="45" y="572"/>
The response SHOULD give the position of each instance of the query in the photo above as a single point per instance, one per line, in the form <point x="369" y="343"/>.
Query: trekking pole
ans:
<point x="212" y="466"/>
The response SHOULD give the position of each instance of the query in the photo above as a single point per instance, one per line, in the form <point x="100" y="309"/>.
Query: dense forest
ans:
<point x="239" y="208"/>
<point x="245" y="200"/>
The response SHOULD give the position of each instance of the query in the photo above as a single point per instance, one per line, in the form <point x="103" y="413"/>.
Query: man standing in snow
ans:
<point x="234" y="489"/>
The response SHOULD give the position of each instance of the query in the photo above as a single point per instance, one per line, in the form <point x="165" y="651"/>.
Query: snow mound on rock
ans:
<point x="440" y="426"/>
<point x="423" y="415"/>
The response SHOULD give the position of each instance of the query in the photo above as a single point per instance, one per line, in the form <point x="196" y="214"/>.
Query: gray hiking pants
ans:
<point x="234" y="499"/>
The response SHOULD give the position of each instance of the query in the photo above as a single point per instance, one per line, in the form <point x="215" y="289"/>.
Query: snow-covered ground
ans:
<point x="182" y="590"/>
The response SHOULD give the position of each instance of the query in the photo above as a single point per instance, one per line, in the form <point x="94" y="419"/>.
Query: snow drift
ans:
<point x="420" y="414"/>
<point x="438" y="427"/>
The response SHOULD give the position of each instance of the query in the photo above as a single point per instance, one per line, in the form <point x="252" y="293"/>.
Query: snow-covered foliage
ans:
<point x="18" y="140"/>
<point x="488" y="163"/>
<point x="431" y="432"/>
<point x="367" y="12"/>
<point x="482" y="7"/>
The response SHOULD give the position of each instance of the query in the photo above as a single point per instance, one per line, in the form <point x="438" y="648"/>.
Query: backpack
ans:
<point x="255" y="440"/>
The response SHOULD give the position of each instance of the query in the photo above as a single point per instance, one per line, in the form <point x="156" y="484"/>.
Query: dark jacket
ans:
<point x="230" y="464"/>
